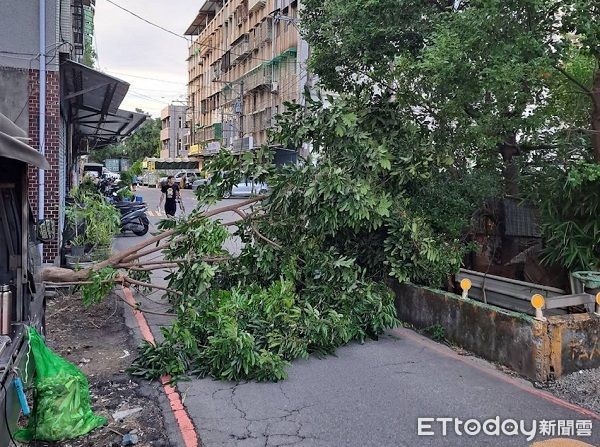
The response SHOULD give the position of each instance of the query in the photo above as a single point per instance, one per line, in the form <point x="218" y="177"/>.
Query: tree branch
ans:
<point x="127" y="279"/>
<point x="571" y="78"/>
<point x="63" y="275"/>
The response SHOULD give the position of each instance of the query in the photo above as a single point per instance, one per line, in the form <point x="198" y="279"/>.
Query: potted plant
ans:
<point x="78" y="246"/>
<point x="124" y="194"/>
<point x="95" y="223"/>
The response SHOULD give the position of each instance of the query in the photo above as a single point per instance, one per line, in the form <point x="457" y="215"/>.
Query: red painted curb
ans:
<point x="441" y="349"/>
<point x="186" y="426"/>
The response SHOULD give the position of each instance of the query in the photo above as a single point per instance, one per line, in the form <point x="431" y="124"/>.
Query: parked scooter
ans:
<point x="108" y="187"/>
<point x="133" y="217"/>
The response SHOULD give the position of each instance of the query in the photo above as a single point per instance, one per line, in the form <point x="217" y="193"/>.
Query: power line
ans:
<point x="147" y="21"/>
<point x="147" y="98"/>
<point x="144" y="77"/>
<point x="183" y="37"/>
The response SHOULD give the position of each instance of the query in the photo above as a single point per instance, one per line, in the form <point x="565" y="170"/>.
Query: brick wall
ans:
<point x="51" y="176"/>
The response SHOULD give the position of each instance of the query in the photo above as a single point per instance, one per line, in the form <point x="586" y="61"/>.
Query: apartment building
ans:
<point x="89" y="54"/>
<point x="174" y="133"/>
<point x="246" y="59"/>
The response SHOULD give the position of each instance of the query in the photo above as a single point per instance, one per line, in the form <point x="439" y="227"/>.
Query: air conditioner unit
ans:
<point x="274" y="87"/>
<point x="213" y="147"/>
<point x="243" y="144"/>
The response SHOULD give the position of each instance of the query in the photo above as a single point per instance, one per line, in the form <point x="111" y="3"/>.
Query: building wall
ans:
<point x="19" y="33"/>
<point x="14" y="85"/>
<point x="19" y="84"/>
<point x="52" y="182"/>
<point x="173" y="133"/>
<point x="245" y="46"/>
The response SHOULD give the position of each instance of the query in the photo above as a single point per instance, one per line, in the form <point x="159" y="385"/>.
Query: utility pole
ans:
<point x="223" y="138"/>
<point x="193" y="121"/>
<point x="242" y="109"/>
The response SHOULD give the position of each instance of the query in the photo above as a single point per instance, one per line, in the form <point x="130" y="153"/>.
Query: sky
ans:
<point x="152" y="61"/>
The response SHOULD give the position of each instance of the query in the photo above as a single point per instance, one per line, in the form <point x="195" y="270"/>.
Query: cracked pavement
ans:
<point x="366" y="395"/>
<point x="362" y="398"/>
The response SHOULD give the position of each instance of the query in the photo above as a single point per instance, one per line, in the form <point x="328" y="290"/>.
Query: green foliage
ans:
<point x="471" y="78"/>
<point x="253" y="332"/>
<point x="144" y="142"/>
<point x="482" y="81"/>
<point x="338" y="229"/>
<point x="436" y="332"/>
<point x="101" y="285"/>
<point x="127" y="177"/>
<point x="570" y="203"/>
<point x="125" y="193"/>
<point x="431" y="104"/>
<point x="136" y="167"/>
<point x="100" y="220"/>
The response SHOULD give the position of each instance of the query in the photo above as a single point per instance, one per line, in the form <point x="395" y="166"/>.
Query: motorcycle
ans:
<point x="133" y="217"/>
<point x="108" y="188"/>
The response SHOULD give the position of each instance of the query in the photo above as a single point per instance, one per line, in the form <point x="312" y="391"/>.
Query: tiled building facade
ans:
<point x="246" y="59"/>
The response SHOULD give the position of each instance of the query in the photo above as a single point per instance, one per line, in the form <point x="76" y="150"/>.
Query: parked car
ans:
<point x="149" y="179"/>
<point x="110" y="174"/>
<point x="199" y="182"/>
<point x="247" y="188"/>
<point x="93" y="169"/>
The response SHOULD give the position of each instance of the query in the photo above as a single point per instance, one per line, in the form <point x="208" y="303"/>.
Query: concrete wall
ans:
<point x="19" y="33"/>
<point x="577" y="342"/>
<point x="539" y="350"/>
<point x="14" y="96"/>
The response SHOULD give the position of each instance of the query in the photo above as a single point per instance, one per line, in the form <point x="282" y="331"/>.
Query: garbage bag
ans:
<point x="61" y="398"/>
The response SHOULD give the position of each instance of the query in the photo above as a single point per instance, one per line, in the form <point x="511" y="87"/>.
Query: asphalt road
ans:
<point x="369" y="395"/>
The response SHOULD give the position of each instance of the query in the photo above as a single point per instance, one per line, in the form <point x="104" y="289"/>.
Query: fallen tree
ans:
<point x="131" y="258"/>
<point x="316" y="252"/>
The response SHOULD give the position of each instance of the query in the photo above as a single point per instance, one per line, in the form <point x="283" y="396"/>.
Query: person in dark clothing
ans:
<point x="170" y="195"/>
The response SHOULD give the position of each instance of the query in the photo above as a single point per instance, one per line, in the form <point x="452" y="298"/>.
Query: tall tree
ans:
<point x="145" y="142"/>
<point x="479" y="76"/>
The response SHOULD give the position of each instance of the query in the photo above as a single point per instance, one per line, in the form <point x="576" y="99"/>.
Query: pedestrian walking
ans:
<point x="134" y="182"/>
<point x="170" y="196"/>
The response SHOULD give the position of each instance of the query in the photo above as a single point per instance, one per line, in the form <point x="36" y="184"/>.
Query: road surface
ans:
<point x="371" y="395"/>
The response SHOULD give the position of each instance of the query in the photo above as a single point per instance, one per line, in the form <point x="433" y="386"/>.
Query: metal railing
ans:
<point x="521" y="296"/>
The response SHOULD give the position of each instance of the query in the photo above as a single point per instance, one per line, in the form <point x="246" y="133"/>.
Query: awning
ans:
<point x="207" y="11"/>
<point x="92" y="99"/>
<point x="91" y="90"/>
<point x="100" y="130"/>
<point x="12" y="147"/>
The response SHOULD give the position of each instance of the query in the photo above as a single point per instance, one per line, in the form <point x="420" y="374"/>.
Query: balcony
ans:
<point x="216" y="70"/>
<point x="240" y="49"/>
<point x="258" y="77"/>
<point x="206" y="46"/>
<point x="164" y="134"/>
<point x="211" y="132"/>
<point x="265" y="30"/>
<point x="255" y="5"/>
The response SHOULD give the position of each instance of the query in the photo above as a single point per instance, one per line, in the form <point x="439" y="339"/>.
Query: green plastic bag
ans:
<point x="61" y="403"/>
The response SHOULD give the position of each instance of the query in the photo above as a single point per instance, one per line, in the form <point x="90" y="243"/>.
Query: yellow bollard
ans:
<point x="538" y="301"/>
<point x="465" y="285"/>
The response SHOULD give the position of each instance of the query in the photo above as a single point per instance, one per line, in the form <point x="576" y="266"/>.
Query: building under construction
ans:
<point x="246" y="59"/>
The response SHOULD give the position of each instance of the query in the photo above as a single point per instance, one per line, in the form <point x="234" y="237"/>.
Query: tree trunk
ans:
<point x="509" y="150"/>
<point x="596" y="115"/>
